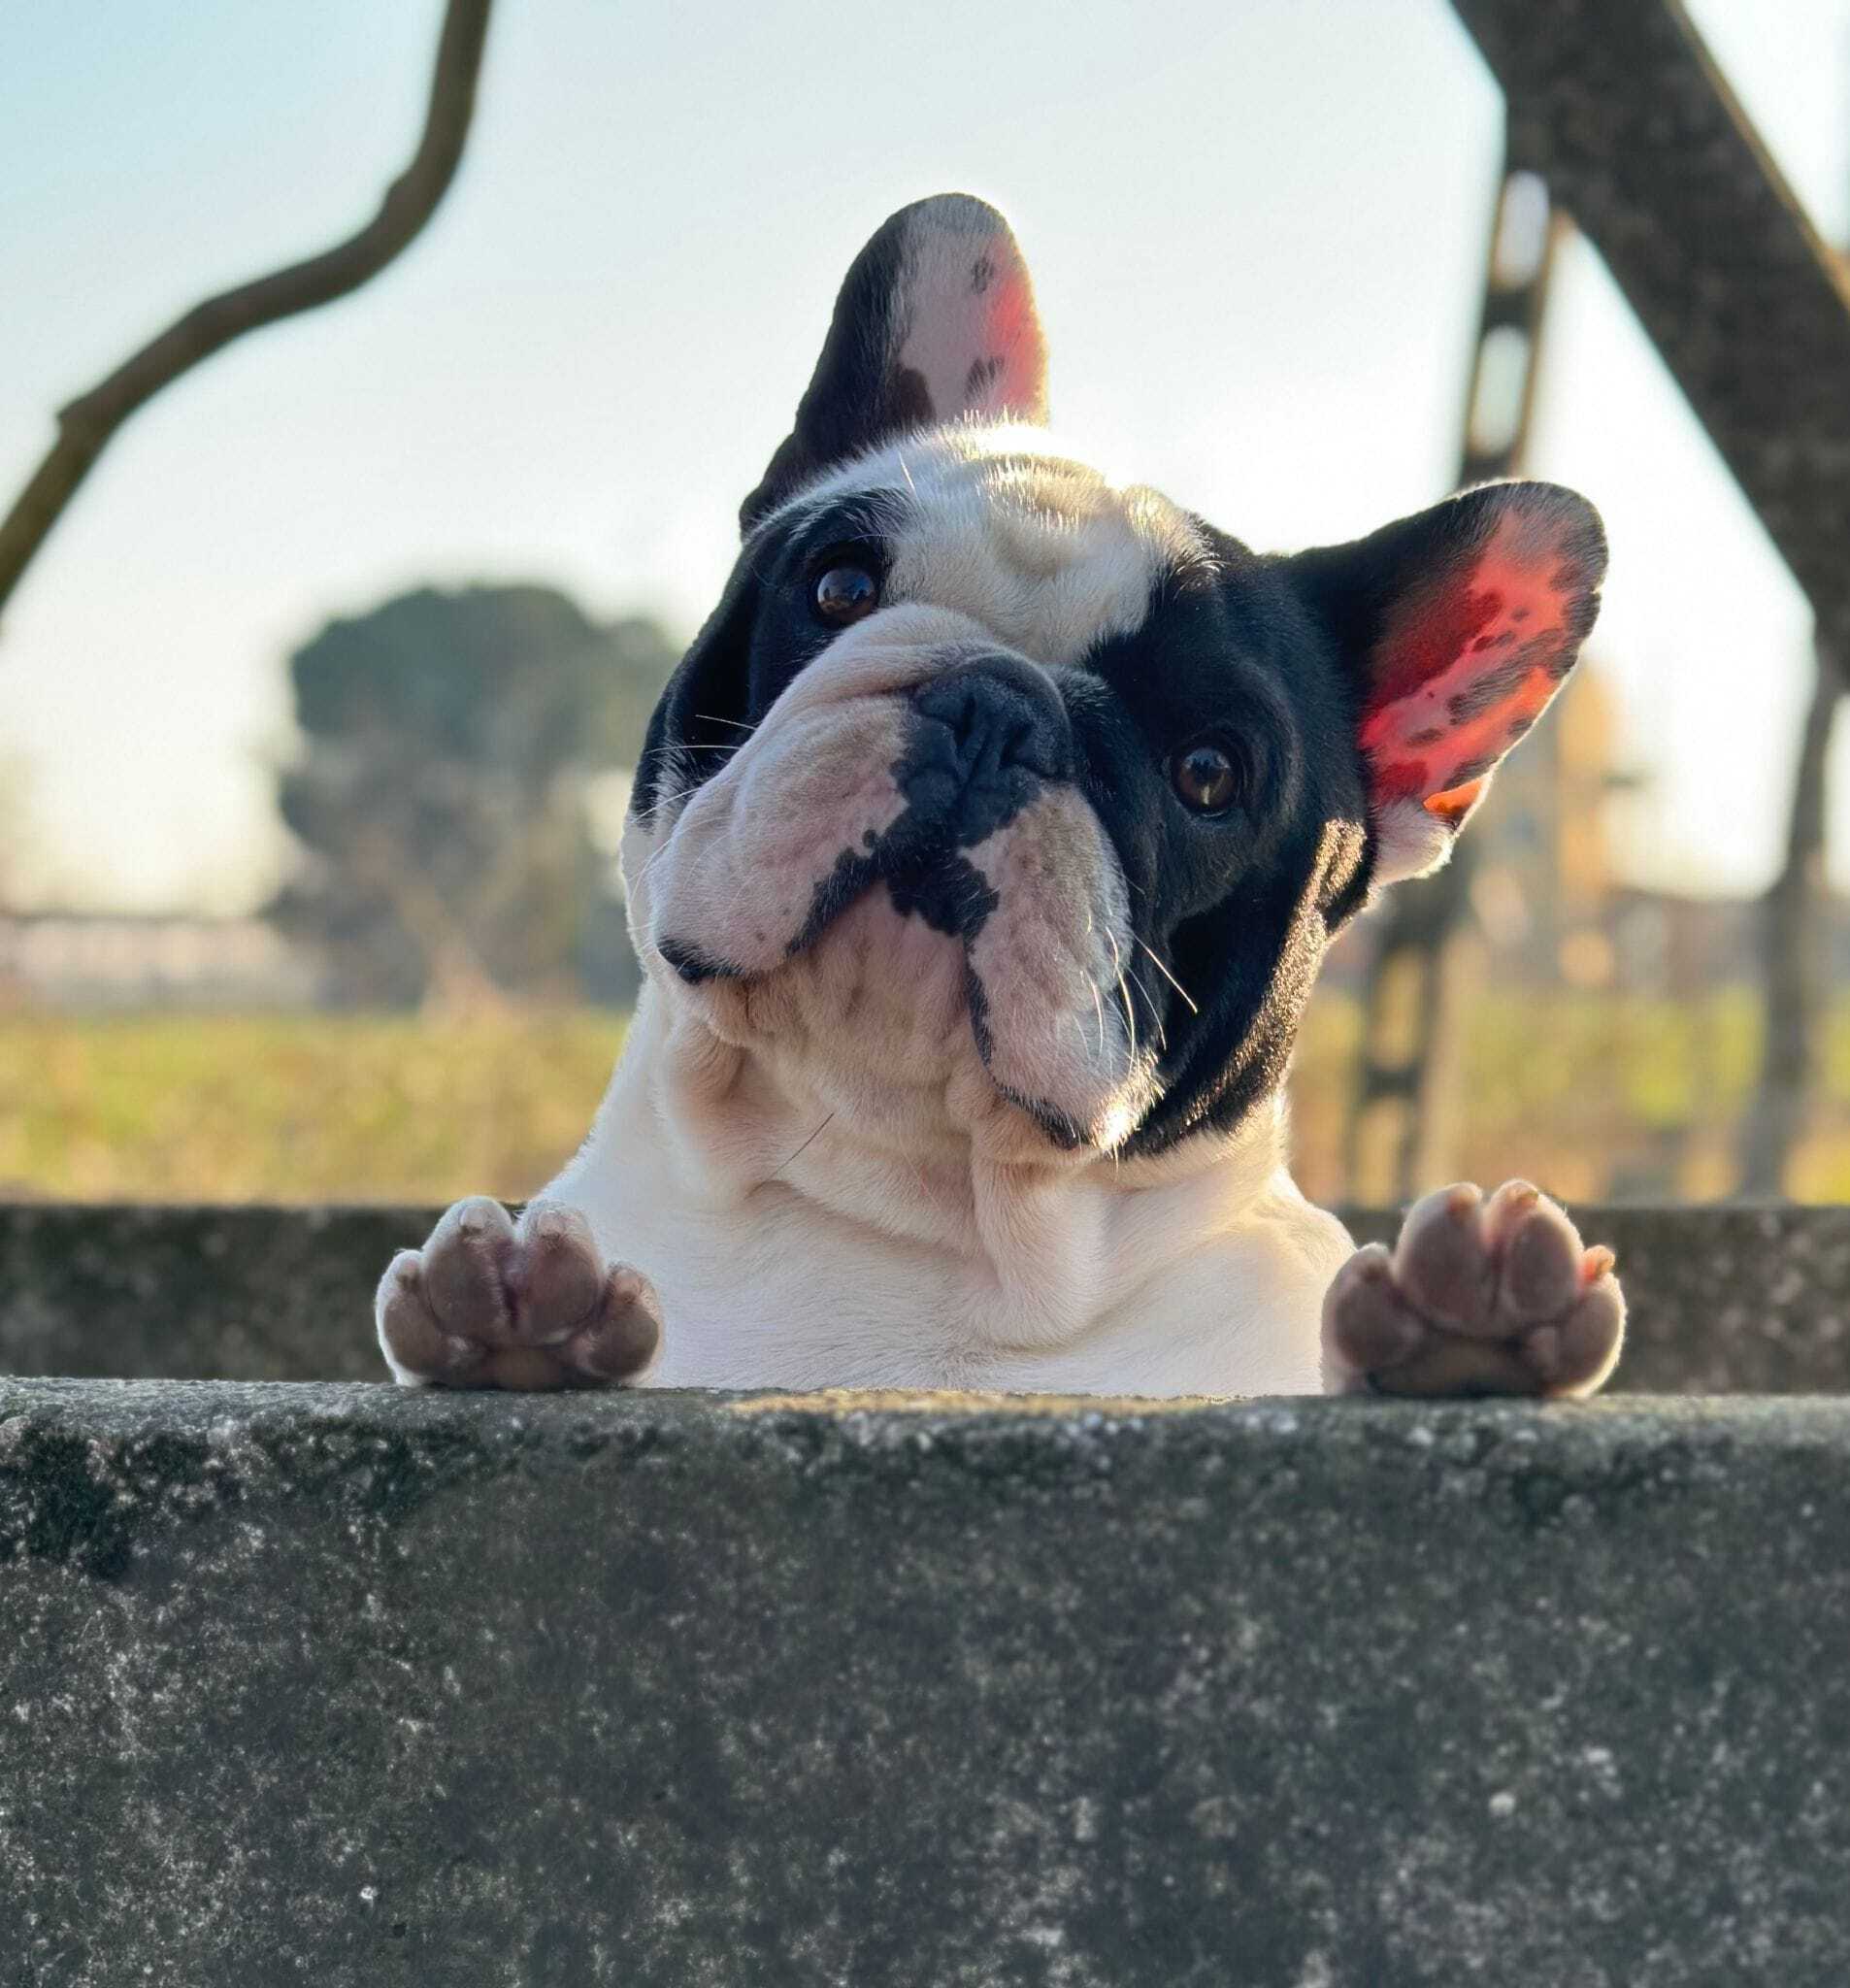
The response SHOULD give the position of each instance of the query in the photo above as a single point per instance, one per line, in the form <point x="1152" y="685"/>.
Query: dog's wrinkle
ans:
<point x="695" y="966"/>
<point x="1062" y="1131"/>
<point x="976" y="1000"/>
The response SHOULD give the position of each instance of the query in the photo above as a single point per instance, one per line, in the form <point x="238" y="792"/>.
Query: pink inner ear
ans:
<point x="971" y="332"/>
<point x="1468" y="665"/>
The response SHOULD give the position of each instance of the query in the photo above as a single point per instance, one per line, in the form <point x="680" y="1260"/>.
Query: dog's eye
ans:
<point x="844" y="593"/>
<point x="1206" y="777"/>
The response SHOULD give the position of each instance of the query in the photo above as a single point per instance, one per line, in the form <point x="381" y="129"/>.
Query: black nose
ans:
<point x="996" y="727"/>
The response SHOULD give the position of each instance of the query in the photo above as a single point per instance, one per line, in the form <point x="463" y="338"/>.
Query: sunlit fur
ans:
<point x="1035" y="545"/>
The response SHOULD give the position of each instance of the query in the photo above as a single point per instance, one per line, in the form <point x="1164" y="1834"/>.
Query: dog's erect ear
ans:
<point x="1460" y="624"/>
<point x="936" y="319"/>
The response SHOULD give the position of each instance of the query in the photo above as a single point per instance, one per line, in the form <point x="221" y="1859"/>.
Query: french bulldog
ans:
<point x="983" y="851"/>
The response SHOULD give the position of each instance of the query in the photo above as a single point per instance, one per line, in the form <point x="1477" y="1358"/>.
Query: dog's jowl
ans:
<point x="983" y="854"/>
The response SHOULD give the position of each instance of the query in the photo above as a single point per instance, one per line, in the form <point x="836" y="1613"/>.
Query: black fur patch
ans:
<point x="918" y="857"/>
<point x="953" y="897"/>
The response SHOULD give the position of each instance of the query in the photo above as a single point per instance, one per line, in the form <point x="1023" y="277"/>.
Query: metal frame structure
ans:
<point x="1619" y="106"/>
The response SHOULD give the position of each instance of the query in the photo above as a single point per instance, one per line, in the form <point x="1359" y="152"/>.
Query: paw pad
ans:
<point x="491" y="1302"/>
<point x="1477" y="1297"/>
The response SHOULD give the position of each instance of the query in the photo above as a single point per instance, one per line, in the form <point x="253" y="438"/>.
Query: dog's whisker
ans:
<point x="708" y="717"/>
<point x="804" y="1147"/>
<point x="1097" y="1003"/>
<point x="1124" y="992"/>
<point x="1166" y="974"/>
<point x="1160" y="1034"/>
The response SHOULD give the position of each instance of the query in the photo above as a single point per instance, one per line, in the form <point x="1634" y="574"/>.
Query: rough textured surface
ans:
<point x="196" y="1293"/>
<point x="365" y="1688"/>
<point x="1723" y="1300"/>
<point x="1618" y="105"/>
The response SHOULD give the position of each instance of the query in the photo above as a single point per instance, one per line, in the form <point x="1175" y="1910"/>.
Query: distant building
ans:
<point x="109" y="960"/>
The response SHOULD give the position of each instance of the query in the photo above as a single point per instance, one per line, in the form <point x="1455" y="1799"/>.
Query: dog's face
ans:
<point x="1008" y="803"/>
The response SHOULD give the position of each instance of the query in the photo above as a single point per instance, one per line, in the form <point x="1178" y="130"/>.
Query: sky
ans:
<point x="1256" y="233"/>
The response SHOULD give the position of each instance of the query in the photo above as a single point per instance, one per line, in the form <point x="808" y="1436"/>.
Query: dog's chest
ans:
<point x="1155" y="1294"/>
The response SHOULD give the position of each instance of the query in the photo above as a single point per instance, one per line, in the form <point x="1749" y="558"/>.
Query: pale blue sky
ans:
<point x="1255" y="230"/>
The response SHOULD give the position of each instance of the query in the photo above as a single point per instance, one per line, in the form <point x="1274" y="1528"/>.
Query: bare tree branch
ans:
<point x="86" y="425"/>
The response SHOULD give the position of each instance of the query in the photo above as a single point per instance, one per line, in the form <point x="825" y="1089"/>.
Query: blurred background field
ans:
<point x="1594" y="1096"/>
<point x="295" y="1108"/>
<point x="318" y="711"/>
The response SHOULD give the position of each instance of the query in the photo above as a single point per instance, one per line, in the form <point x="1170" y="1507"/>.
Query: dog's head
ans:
<point x="998" y="796"/>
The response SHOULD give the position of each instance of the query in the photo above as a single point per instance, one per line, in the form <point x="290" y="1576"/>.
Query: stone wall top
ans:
<point x="375" y="1689"/>
<point x="1723" y="1299"/>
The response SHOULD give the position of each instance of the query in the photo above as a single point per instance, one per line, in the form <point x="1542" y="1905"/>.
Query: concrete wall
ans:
<point x="365" y="1689"/>
<point x="1723" y="1300"/>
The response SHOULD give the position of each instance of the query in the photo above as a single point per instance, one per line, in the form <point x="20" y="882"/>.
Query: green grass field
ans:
<point x="1586" y="1094"/>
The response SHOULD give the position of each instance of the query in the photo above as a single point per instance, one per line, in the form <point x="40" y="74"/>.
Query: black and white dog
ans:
<point x="983" y="852"/>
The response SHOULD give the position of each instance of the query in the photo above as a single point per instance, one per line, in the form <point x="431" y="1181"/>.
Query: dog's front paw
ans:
<point x="491" y="1302"/>
<point x="1477" y="1297"/>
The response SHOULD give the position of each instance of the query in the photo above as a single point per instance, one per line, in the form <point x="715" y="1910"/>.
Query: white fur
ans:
<point x="1038" y="547"/>
<point x="1410" y="841"/>
<point x="798" y="1245"/>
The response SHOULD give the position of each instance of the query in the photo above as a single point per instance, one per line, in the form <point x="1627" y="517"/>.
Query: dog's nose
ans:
<point x="998" y="725"/>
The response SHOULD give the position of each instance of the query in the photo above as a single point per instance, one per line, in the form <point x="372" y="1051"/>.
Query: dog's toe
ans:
<point x="417" y="1348"/>
<point x="620" y="1337"/>
<point x="555" y="1276"/>
<point x="466" y="1272"/>
<point x="1574" y="1356"/>
<point x="1442" y="1261"/>
<point x="1539" y="1260"/>
<point x="1371" y="1326"/>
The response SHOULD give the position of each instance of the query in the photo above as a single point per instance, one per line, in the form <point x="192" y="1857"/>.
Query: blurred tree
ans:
<point x="439" y="794"/>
